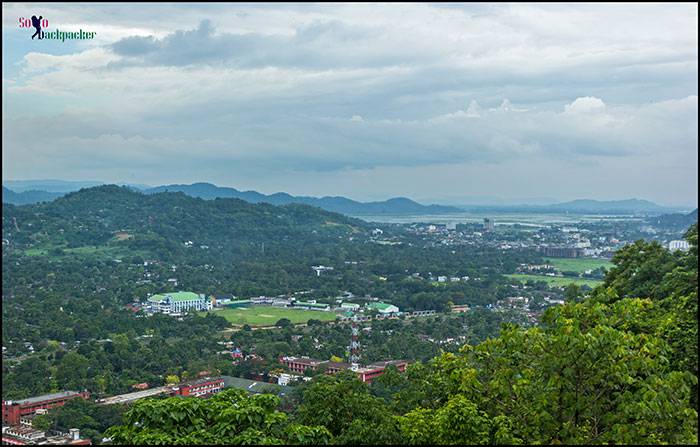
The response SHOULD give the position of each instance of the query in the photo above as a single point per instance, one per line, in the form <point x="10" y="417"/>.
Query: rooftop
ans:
<point x="33" y="400"/>
<point x="251" y="385"/>
<point x="304" y="360"/>
<point x="201" y="381"/>
<point x="175" y="296"/>
<point x="380" y="305"/>
<point x="386" y="363"/>
<point x="304" y="303"/>
<point x="339" y="365"/>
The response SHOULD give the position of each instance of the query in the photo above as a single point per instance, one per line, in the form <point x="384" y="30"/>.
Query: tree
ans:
<point x="572" y="292"/>
<point x="593" y="373"/>
<point x="639" y="270"/>
<point x="449" y="306"/>
<point x="343" y="404"/>
<point x="43" y="422"/>
<point x="72" y="371"/>
<point x="230" y="417"/>
<point x="283" y="322"/>
<point x="172" y="379"/>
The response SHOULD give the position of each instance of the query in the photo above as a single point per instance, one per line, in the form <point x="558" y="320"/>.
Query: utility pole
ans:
<point x="355" y="344"/>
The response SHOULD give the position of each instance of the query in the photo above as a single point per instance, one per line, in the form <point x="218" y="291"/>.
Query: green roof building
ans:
<point x="383" y="308"/>
<point x="177" y="302"/>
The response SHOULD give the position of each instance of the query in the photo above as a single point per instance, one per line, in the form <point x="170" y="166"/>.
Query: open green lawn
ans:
<point x="555" y="280"/>
<point x="578" y="264"/>
<point x="269" y="315"/>
<point x="99" y="251"/>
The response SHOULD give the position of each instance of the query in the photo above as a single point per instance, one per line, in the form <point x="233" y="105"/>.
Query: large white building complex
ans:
<point x="178" y="302"/>
<point x="679" y="245"/>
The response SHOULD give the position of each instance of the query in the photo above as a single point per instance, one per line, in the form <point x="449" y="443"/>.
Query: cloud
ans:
<point x="585" y="104"/>
<point x="363" y="88"/>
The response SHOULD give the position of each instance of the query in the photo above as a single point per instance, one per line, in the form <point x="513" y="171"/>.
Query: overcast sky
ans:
<point x="443" y="103"/>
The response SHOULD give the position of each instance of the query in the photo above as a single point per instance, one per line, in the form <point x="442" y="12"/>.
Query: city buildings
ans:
<point x="489" y="224"/>
<point x="178" y="302"/>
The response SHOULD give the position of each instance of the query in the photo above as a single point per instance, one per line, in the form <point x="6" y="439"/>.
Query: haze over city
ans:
<point x="435" y="102"/>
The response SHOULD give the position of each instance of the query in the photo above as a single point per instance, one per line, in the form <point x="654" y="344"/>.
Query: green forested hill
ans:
<point x="161" y="223"/>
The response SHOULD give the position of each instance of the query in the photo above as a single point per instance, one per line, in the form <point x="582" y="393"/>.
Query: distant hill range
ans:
<point x="595" y="206"/>
<point x="22" y="192"/>
<point x="62" y="186"/>
<point x="398" y="205"/>
<point x="28" y="197"/>
<point x="159" y="224"/>
<point x="585" y="206"/>
<point x="675" y="221"/>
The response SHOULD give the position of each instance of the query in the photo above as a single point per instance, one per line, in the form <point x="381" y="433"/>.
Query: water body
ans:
<point x="526" y="219"/>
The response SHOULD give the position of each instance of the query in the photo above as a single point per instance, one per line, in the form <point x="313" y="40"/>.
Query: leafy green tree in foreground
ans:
<point x="230" y="417"/>
<point x="344" y="405"/>
<point x="591" y="374"/>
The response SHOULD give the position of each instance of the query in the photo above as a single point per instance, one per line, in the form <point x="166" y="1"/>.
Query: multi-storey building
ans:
<point x="12" y="411"/>
<point x="301" y="364"/>
<point x="364" y="373"/>
<point x="199" y="388"/>
<point x="178" y="302"/>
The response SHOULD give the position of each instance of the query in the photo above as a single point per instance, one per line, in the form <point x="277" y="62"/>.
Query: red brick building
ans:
<point x="366" y="373"/>
<point x="371" y="372"/>
<point x="199" y="388"/>
<point x="12" y="411"/>
<point x="301" y="364"/>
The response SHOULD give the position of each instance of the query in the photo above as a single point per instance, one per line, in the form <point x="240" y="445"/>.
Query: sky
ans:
<point x="447" y="103"/>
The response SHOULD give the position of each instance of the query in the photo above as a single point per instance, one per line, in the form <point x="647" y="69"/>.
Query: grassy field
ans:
<point x="268" y="315"/>
<point x="578" y="264"/>
<point x="100" y="251"/>
<point x="556" y="280"/>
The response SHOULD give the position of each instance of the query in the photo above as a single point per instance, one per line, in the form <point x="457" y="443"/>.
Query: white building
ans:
<point x="178" y="302"/>
<point x="350" y="306"/>
<point x="679" y="245"/>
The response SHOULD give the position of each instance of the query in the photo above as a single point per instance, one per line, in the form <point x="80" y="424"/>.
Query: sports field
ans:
<point x="269" y="315"/>
<point x="556" y="280"/>
<point x="579" y="265"/>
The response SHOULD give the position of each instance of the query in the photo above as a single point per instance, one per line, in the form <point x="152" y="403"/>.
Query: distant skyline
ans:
<point x="436" y="102"/>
